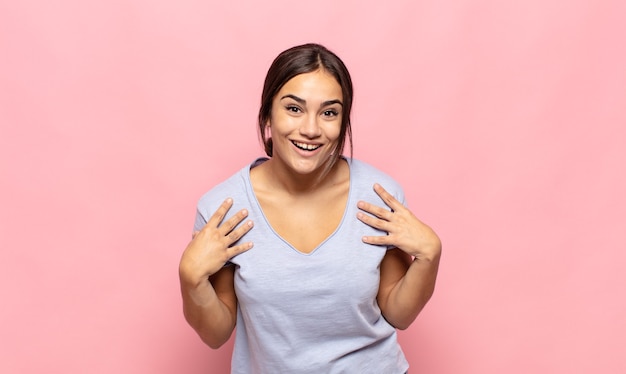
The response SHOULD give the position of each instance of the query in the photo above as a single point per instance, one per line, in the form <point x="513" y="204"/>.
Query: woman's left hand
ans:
<point x="403" y="229"/>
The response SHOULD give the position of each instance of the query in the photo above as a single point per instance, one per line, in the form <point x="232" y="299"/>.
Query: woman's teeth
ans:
<point x="306" y="147"/>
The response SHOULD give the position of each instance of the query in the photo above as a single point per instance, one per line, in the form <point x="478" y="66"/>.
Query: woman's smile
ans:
<point x="305" y="146"/>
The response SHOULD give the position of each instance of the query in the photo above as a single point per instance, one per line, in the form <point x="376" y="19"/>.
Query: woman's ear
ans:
<point x="268" y="129"/>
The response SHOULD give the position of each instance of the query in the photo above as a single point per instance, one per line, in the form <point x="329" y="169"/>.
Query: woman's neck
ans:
<point x="276" y="175"/>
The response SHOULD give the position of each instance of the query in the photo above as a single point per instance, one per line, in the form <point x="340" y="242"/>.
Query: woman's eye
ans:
<point x="293" y="109"/>
<point x="330" y="113"/>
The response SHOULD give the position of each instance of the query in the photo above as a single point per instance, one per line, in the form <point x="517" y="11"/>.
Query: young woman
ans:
<point x="311" y="255"/>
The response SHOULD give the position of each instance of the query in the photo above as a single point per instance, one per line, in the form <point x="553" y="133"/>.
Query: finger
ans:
<point x="238" y="249"/>
<point x="220" y="213"/>
<point x="228" y="225"/>
<point x="374" y="222"/>
<point x="239" y="232"/>
<point x="378" y="240"/>
<point x="388" y="198"/>
<point x="379" y="212"/>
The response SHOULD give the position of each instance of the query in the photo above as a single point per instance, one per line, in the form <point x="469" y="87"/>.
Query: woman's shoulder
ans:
<point x="223" y="188"/>
<point x="362" y="170"/>
<point x="364" y="175"/>
<point x="234" y="186"/>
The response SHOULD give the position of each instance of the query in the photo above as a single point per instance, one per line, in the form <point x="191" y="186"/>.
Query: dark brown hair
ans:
<point x="303" y="59"/>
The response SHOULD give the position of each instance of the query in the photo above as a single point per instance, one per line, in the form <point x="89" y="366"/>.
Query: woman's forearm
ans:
<point x="411" y="293"/>
<point x="210" y="317"/>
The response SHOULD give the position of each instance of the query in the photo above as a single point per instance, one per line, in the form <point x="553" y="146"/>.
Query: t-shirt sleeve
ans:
<point x="200" y="220"/>
<point x="399" y="195"/>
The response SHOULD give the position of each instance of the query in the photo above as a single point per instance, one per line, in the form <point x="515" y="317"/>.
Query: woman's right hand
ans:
<point x="211" y="247"/>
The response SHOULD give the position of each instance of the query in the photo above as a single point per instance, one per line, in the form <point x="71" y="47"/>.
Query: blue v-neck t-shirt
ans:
<point x="309" y="312"/>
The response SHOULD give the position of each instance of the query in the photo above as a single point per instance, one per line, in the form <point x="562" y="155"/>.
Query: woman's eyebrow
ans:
<point x="296" y="98"/>
<point x="301" y="101"/>
<point x="331" y="102"/>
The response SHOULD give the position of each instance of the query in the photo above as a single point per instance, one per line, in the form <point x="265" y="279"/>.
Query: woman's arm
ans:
<point x="207" y="288"/>
<point x="405" y="286"/>
<point x="211" y="307"/>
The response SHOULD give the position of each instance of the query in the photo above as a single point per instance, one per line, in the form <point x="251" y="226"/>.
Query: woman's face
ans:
<point x="305" y="121"/>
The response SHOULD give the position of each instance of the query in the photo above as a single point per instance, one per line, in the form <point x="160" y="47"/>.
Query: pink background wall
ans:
<point x="505" y="122"/>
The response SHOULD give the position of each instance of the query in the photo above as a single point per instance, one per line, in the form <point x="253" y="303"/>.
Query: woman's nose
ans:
<point x="310" y="127"/>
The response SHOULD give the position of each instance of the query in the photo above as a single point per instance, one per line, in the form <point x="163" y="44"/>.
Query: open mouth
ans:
<point x="306" y="147"/>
